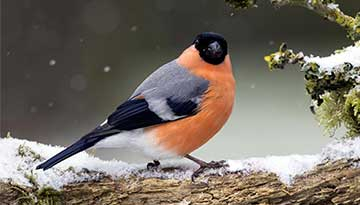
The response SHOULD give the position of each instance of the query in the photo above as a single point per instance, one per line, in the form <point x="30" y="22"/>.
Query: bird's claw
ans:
<point x="209" y="165"/>
<point x="153" y="165"/>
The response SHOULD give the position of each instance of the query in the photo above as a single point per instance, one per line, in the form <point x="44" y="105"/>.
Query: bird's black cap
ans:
<point x="212" y="47"/>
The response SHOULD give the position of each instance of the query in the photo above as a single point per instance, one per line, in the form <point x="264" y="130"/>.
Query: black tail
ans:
<point x="85" y="142"/>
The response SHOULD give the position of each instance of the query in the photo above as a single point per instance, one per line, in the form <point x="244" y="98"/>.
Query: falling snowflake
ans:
<point x="133" y="28"/>
<point x="107" y="69"/>
<point x="33" y="109"/>
<point x="52" y="62"/>
<point x="51" y="104"/>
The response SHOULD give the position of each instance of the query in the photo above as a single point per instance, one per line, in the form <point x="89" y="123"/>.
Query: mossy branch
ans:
<point x="325" y="8"/>
<point x="284" y="56"/>
<point x="335" y="92"/>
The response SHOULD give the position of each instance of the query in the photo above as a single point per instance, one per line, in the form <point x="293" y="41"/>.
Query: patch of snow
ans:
<point x="14" y="167"/>
<point x="309" y="5"/>
<point x="357" y="88"/>
<point x="277" y="57"/>
<point x="350" y="54"/>
<point x="286" y="167"/>
<point x="342" y="149"/>
<point x="83" y="167"/>
<point x="333" y="6"/>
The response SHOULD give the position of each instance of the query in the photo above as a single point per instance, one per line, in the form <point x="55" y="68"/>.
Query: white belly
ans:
<point x="138" y="140"/>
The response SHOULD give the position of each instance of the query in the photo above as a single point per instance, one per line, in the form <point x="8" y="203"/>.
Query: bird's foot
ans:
<point x="153" y="165"/>
<point x="205" y="165"/>
<point x="210" y="165"/>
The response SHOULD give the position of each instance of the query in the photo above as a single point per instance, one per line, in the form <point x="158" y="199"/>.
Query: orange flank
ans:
<point x="139" y="97"/>
<point x="185" y="135"/>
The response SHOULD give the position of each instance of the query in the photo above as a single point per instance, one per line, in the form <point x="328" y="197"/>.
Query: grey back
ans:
<point x="172" y="81"/>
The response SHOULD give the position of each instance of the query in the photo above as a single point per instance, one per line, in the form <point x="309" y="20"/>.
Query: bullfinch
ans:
<point x="174" y="111"/>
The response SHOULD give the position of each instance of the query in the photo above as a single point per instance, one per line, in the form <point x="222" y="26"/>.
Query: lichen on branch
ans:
<point x="284" y="56"/>
<point x="332" y="82"/>
<point x="325" y="8"/>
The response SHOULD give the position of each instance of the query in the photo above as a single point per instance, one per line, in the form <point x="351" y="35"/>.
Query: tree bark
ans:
<point x="329" y="183"/>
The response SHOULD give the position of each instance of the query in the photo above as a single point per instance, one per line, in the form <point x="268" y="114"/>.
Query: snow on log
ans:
<point x="330" y="177"/>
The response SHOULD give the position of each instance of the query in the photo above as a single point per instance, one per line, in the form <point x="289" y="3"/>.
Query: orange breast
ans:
<point x="185" y="135"/>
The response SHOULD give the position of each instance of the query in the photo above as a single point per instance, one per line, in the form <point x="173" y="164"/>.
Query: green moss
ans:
<point x="43" y="196"/>
<point x="335" y="97"/>
<point x="338" y="102"/>
<point x="318" y="82"/>
<point x="330" y="112"/>
<point x="339" y="109"/>
<point x="70" y="169"/>
<point x="241" y="4"/>
<point x="8" y="134"/>
<point x="32" y="178"/>
<point x="48" y="196"/>
<point x="26" y="151"/>
<point x="24" y="195"/>
<point x="35" y="195"/>
<point x="352" y="112"/>
<point x="353" y="27"/>
<point x="279" y="59"/>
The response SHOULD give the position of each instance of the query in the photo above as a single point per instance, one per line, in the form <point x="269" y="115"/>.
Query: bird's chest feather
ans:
<point x="185" y="135"/>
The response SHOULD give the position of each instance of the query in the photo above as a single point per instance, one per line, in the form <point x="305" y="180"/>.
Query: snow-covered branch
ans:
<point x="331" y="175"/>
<point x="325" y="8"/>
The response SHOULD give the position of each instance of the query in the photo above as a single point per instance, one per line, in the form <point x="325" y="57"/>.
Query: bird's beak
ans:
<point x="215" y="49"/>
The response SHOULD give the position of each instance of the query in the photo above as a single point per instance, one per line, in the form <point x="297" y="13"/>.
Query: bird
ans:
<point x="174" y="111"/>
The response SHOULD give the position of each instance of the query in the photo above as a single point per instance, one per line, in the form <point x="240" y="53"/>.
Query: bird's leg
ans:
<point x="204" y="165"/>
<point x="153" y="165"/>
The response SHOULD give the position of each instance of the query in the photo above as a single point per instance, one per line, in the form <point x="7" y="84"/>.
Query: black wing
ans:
<point x="133" y="114"/>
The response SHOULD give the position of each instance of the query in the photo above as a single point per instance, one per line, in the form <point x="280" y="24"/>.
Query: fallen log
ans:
<point x="336" y="182"/>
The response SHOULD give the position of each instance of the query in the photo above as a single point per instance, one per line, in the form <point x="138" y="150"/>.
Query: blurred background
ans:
<point x="66" y="65"/>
